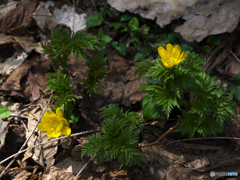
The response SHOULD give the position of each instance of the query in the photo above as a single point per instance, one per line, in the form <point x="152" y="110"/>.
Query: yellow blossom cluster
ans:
<point x="54" y="124"/>
<point x="171" y="56"/>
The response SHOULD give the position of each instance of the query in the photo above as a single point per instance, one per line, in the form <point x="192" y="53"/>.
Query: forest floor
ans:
<point x="22" y="85"/>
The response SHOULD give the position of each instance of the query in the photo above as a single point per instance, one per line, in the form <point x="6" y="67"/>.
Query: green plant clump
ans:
<point x="205" y="107"/>
<point x="117" y="138"/>
<point x="59" y="49"/>
<point x="61" y="46"/>
<point x="61" y="84"/>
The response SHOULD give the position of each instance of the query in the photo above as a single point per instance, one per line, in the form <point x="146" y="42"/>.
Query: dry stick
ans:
<point x="78" y="174"/>
<point x="192" y="139"/>
<point x="19" y="116"/>
<point x="55" y="139"/>
<point x="235" y="56"/>
<point x="24" y="142"/>
<point x="166" y="133"/>
<point x="22" y="168"/>
<point x="24" y="125"/>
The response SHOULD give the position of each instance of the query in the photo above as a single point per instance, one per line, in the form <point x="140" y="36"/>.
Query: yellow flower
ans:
<point x="171" y="55"/>
<point x="54" y="124"/>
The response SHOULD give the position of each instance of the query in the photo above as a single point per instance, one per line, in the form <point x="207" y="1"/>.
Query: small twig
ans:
<point x="235" y="56"/>
<point x="22" y="168"/>
<point x="16" y="155"/>
<point x="193" y="139"/>
<point x="55" y="139"/>
<point x="166" y="133"/>
<point x="18" y="116"/>
<point x="24" y="125"/>
<point x="78" y="174"/>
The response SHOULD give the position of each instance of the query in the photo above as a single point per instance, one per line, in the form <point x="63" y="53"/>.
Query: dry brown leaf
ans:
<point x="233" y="67"/>
<point x="76" y="152"/>
<point x="27" y="80"/>
<point x="22" y="175"/>
<point x="68" y="167"/>
<point x="5" y="40"/>
<point x="65" y="16"/>
<point x="98" y="167"/>
<point x="177" y="162"/>
<point x="7" y="47"/>
<point x="43" y="155"/>
<point x="121" y="86"/>
<point x="233" y="128"/>
<point x="13" y="81"/>
<point x="13" y="62"/>
<point x="121" y="174"/>
<point x="202" y="18"/>
<point x="6" y="7"/>
<point x="28" y="44"/>
<point x="16" y="20"/>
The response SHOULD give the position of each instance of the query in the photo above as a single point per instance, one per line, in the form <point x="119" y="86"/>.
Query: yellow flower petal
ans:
<point x="163" y="53"/>
<point x="54" y="134"/>
<point x="43" y="127"/>
<point x="66" y="130"/>
<point x="45" y="120"/>
<point x="184" y="55"/>
<point x="59" y="112"/>
<point x="164" y="62"/>
<point x="169" y="48"/>
<point x="49" y="114"/>
<point x="65" y="122"/>
<point x="176" y="51"/>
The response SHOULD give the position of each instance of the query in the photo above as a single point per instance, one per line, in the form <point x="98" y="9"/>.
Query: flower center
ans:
<point x="55" y="124"/>
<point x="172" y="59"/>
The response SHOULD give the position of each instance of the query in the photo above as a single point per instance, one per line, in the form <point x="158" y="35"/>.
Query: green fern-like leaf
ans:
<point x="142" y="68"/>
<point x="61" y="84"/>
<point x="112" y="110"/>
<point x="117" y="136"/>
<point x="98" y="67"/>
<point x="95" y="145"/>
<point x="58" y="49"/>
<point x="131" y="119"/>
<point x="79" y="42"/>
<point x="190" y="125"/>
<point x="165" y="98"/>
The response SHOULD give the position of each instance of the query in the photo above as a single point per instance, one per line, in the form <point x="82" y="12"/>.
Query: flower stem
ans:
<point x="166" y="133"/>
